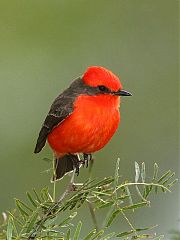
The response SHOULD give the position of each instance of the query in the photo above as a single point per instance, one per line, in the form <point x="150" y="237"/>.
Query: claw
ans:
<point x="85" y="161"/>
<point x="87" y="158"/>
<point x="77" y="171"/>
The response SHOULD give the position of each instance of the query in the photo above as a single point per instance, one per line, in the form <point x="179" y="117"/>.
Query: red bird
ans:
<point x="82" y="119"/>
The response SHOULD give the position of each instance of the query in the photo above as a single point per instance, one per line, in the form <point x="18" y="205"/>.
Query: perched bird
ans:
<point x="82" y="119"/>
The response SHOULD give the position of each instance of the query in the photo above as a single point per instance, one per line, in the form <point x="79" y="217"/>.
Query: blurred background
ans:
<point x="45" y="44"/>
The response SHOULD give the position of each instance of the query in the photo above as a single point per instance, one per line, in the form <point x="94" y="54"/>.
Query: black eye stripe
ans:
<point x="103" y="88"/>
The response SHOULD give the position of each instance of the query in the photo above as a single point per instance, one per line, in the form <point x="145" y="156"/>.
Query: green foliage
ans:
<point x="41" y="217"/>
<point x="175" y="235"/>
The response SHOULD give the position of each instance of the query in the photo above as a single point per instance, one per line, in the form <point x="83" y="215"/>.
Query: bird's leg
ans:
<point x="72" y="185"/>
<point x="86" y="158"/>
<point x="75" y="161"/>
<point x="82" y="161"/>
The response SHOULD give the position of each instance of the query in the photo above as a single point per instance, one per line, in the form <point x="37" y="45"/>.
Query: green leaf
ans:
<point x="147" y="190"/>
<point x="75" y="198"/>
<point x="143" y="172"/>
<point x="24" y="205"/>
<point x="116" y="175"/>
<point x="31" y="222"/>
<point x="31" y="199"/>
<point x="164" y="176"/>
<point x="170" y="176"/>
<point x="142" y="236"/>
<point x="108" y="236"/>
<point x="98" y="234"/>
<point x="83" y="199"/>
<point x="50" y="220"/>
<point x="137" y="172"/>
<point x="90" y="234"/>
<point x="37" y="196"/>
<point x="129" y="194"/>
<point x="75" y="201"/>
<point x="123" y="234"/>
<point x="9" y="229"/>
<point x="68" y="234"/>
<point x="15" y="219"/>
<point x="145" y="228"/>
<point x="113" y="216"/>
<point x="107" y="204"/>
<point x="134" y="206"/>
<point x="101" y="183"/>
<point x="66" y="220"/>
<point x="45" y="194"/>
<point x="20" y="208"/>
<point x="156" y="168"/>
<point x="77" y="231"/>
<point x="172" y="183"/>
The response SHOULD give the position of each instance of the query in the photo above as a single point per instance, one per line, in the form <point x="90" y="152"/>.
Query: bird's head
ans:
<point x="104" y="80"/>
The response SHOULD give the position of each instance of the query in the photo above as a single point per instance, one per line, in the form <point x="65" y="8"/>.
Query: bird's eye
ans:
<point x="103" y="88"/>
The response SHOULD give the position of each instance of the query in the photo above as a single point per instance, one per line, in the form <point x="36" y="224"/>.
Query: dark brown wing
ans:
<point x="51" y="121"/>
<point x="61" y="108"/>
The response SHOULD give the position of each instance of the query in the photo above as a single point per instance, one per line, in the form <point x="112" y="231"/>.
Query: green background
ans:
<point x="45" y="44"/>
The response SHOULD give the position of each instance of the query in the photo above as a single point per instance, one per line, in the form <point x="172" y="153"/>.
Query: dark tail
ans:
<point x="63" y="165"/>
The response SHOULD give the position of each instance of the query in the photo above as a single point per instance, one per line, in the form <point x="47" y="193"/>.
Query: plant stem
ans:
<point x="130" y="224"/>
<point x="93" y="215"/>
<point x="145" y="184"/>
<point x="54" y="183"/>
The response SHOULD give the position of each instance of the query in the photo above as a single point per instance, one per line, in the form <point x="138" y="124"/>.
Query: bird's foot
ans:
<point x="77" y="163"/>
<point x="86" y="158"/>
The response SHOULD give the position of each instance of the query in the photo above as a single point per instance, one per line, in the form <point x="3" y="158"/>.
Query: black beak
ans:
<point x="122" y="93"/>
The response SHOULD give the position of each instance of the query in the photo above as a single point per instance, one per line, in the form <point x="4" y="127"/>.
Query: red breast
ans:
<point x="88" y="129"/>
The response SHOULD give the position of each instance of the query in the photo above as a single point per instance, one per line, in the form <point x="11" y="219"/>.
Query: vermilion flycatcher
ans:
<point x="82" y="119"/>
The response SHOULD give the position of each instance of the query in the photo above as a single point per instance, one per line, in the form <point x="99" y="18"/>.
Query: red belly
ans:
<point x="88" y="129"/>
